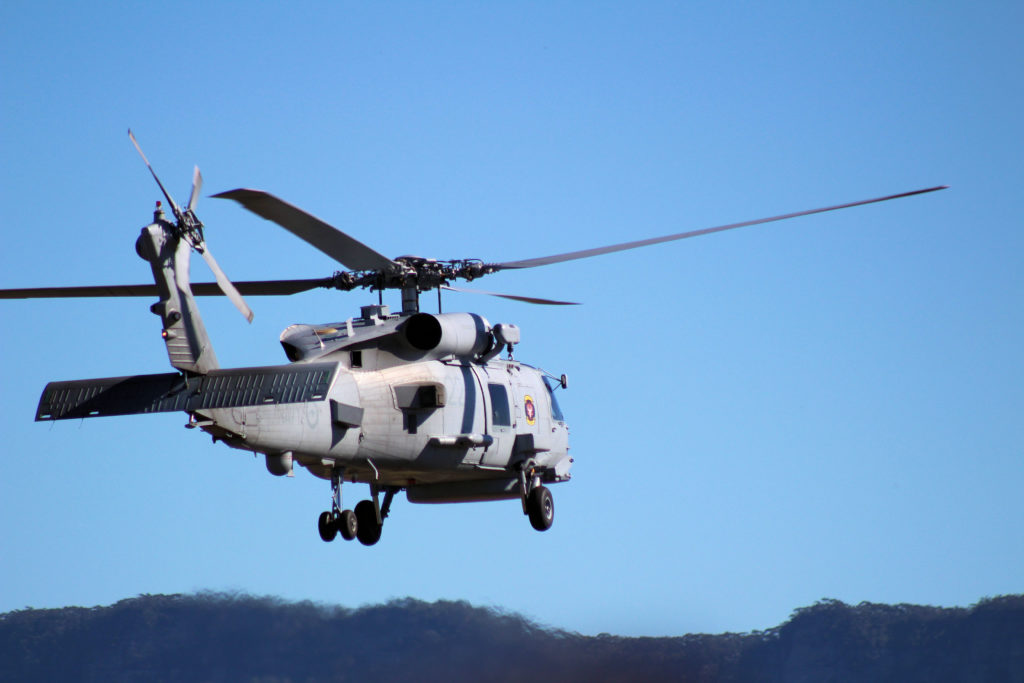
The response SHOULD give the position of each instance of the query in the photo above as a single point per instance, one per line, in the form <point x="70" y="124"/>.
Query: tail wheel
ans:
<point x="348" y="525"/>
<point x="368" y="529"/>
<point x="326" y="526"/>
<point x="541" y="507"/>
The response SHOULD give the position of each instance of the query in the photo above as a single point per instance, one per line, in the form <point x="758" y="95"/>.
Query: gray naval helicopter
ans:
<point x="411" y="401"/>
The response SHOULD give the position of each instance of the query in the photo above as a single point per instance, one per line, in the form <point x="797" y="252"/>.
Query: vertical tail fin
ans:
<point x="188" y="345"/>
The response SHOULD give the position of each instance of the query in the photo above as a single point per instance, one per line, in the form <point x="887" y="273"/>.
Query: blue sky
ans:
<point x="828" y="407"/>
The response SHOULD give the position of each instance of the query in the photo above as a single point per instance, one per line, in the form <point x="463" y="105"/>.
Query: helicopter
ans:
<point x="435" y="405"/>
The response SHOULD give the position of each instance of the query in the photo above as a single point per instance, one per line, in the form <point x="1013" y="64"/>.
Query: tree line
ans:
<point x="235" y="637"/>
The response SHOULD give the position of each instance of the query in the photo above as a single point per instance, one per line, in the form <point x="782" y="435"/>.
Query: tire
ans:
<point x="367" y="531"/>
<point x="348" y="525"/>
<point x="541" y="507"/>
<point x="326" y="526"/>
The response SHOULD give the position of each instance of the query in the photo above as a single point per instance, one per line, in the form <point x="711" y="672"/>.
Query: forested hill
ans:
<point x="213" y="637"/>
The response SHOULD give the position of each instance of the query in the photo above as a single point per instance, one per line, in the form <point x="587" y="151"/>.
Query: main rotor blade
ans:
<point x="167" y="195"/>
<point x="100" y="291"/>
<point x="197" y="185"/>
<point x="346" y="250"/>
<point x="514" y="297"/>
<point x="263" y="287"/>
<point x="587" y="253"/>
<point x="247" y="288"/>
<point x="225" y="284"/>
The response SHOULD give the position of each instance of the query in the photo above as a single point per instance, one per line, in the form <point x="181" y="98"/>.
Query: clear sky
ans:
<point x="829" y="407"/>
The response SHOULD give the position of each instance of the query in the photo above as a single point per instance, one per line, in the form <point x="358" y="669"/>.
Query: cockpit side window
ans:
<point x="501" y="416"/>
<point x="556" y="411"/>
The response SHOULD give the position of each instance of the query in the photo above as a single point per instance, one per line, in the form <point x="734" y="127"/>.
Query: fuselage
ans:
<point x="398" y="414"/>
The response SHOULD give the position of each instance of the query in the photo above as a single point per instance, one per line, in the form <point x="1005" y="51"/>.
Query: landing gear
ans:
<point x="541" y="508"/>
<point x="370" y="514"/>
<point x="326" y="526"/>
<point x="365" y="523"/>
<point x="347" y="525"/>
<point x="537" y="500"/>
<point x="368" y="529"/>
<point x="336" y="520"/>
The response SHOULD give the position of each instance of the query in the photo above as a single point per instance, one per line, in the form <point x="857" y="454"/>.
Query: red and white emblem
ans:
<point x="530" y="409"/>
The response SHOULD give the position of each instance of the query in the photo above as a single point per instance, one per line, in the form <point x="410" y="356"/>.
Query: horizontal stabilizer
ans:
<point x="173" y="392"/>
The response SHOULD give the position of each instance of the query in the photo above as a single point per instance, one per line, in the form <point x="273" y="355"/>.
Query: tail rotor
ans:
<point x="189" y="228"/>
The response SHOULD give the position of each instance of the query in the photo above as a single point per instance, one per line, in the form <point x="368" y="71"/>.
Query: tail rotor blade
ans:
<point x="197" y="185"/>
<point x="167" y="195"/>
<point x="225" y="284"/>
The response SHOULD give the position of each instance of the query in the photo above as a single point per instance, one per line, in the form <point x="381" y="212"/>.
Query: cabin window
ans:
<point x="501" y="416"/>
<point x="356" y="359"/>
<point x="556" y="412"/>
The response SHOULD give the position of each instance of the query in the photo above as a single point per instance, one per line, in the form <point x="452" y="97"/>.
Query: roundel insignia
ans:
<point x="530" y="408"/>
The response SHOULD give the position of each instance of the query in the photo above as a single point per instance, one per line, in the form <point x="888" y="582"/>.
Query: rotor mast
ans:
<point x="410" y="299"/>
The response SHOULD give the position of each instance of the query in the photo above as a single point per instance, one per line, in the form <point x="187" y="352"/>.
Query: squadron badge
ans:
<point x="530" y="409"/>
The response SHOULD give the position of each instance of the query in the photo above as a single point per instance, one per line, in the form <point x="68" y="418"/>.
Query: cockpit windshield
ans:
<point x="556" y="411"/>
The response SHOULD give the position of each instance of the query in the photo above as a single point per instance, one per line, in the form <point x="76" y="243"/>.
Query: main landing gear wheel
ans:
<point x="348" y="525"/>
<point x="368" y="528"/>
<point x="541" y="508"/>
<point x="326" y="526"/>
<point x="330" y="524"/>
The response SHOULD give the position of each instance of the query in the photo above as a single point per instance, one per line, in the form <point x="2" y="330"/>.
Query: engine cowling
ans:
<point x="458" y="334"/>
